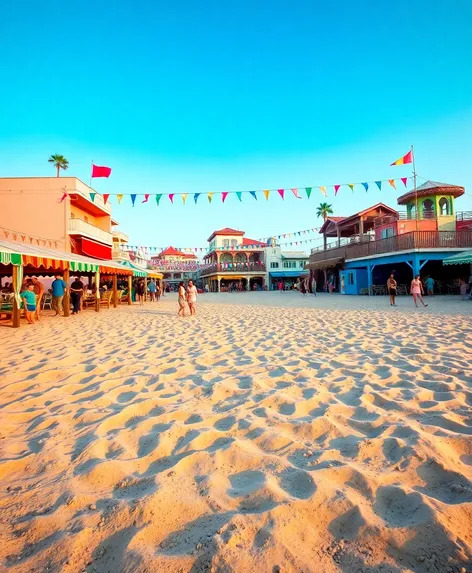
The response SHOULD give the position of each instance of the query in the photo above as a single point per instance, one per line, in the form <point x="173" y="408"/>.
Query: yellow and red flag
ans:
<point x="408" y="158"/>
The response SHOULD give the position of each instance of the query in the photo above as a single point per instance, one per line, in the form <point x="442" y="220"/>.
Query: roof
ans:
<point x="247" y="242"/>
<point x="364" y="211"/>
<point x="49" y="258"/>
<point x="463" y="258"/>
<point x="431" y="188"/>
<point x="170" y="251"/>
<point x="226" y="231"/>
<point x="329" y="220"/>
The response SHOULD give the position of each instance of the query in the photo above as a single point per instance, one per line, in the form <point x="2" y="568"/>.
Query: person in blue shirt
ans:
<point x="430" y="286"/>
<point x="29" y="300"/>
<point x="59" y="288"/>
<point x="152" y="289"/>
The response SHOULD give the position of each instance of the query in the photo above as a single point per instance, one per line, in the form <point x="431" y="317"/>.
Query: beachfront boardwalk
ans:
<point x="273" y="432"/>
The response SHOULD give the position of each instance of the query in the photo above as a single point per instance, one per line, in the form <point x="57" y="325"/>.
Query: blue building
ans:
<point x="376" y="241"/>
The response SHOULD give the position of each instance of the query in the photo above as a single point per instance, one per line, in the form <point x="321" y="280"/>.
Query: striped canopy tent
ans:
<point x="154" y="275"/>
<point x="137" y="271"/>
<point x="463" y="258"/>
<point x="8" y="257"/>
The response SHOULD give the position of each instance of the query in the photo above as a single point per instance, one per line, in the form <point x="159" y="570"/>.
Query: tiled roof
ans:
<point x="226" y="231"/>
<point x="253" y="242"/>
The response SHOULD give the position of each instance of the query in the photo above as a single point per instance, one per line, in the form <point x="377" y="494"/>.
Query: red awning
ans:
<point x="96" y="250"/>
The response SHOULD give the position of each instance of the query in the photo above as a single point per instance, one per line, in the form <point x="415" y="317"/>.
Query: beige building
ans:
<point x="80" y="222"/>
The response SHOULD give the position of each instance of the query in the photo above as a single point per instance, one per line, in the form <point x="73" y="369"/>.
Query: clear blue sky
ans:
<point x="224" y="96"/>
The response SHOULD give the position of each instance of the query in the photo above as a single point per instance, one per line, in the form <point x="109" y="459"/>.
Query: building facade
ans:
<point x="287" y="267"/>
<point x="76" y="218"/>
<point x="234" y="262"/>
<point x="176" y="266"/>
<point x="376" y="241"/>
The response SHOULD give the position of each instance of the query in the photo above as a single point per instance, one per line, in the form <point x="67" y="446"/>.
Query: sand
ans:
<point x="271" y="433"/>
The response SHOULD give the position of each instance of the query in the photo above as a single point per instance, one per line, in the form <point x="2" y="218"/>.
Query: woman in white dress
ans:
<point x="191" y="297"/>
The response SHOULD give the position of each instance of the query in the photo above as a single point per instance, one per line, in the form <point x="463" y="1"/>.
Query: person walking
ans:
<point x="191" y="297"/>
<point x="76" y="292"/>
<point x="152" y="290"/>
<point x="140" y="291"/>
<point x="417" y="290"/>
<point x="182" y="299"/>
<point x="392" y="289"/>
<point x="313" y="286"/>
<point x="39" y="292"/>
<point x="59" y="288"/>
<point x="158" y="292"/>
<point x="430" y="286"/>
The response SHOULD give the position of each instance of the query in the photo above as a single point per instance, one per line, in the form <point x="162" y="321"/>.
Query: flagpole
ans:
<point x="414" y="186"/>
<point x="91" y="171"/>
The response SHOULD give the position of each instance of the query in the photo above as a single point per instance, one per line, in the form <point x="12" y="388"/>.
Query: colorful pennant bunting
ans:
<point x="146" y="198"/>
<point x="404" y="180"/>
<point x="210" y="196"/>
<point x="266" y="194"/>
<point x="351" y="186"/>
<point x="392" y="183"/>
<point x="366" y="186"/>
<point x="119" y="197"/>
<point x="281" y="192"/>
<point x="92" y="197"/>
<point x="239" y="195"/>
<point x="379" y="185"/>
<point x="253" y="193"/>
<point x="322" y="189"/>
<point x="171" y="197"/>
<point x="184" y="197"/>
<point x="196" y="196"/>
<point x="223" y="196"/>
<point x="133" y="198"/>
<point x="336" y="189"/>
<point x="295" y="192"/>
<point x="105" y="198"/>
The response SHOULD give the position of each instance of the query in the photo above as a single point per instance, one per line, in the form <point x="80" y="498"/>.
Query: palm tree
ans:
<point x="323" y="211"/>
<point x="60" y="162"/>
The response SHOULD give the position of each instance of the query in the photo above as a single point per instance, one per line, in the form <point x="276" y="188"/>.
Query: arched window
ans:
<point x="411" y="211"/>
<point x="443" y="206"/>
<point x="226" y="258"/>
<point x="428" y="209"/>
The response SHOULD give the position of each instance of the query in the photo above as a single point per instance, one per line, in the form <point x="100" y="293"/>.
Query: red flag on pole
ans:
<point x="100" y="171"/>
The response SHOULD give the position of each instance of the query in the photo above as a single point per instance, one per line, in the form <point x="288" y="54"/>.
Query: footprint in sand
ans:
<point x="297" y="483"/>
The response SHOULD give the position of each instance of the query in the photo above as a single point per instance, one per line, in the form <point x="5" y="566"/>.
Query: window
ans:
<point x="274" y="265"/>
<point x="443" y="206"/>
<point x="225" y="242"/>
<point x="428" y="209"/>
<point x="301" y="264"/>
<point x="388" y="232"/>
<point x="234" y="242"/>
<point x="350" y="278"/>
<point x="290" y="265"/>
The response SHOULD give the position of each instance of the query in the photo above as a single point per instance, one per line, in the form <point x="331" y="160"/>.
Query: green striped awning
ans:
<point x="7" y="258"/>
<point x="459" y="258"/>
<point x="137" y="272"/>
<point x="80" y="266"/>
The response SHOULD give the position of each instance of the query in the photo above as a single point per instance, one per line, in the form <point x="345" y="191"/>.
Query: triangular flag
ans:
<point x="171" y="197"/>
<point x="224" y="195"/>
<point x="146" y="198"/>
<point x="295" y="192"/>
<point x="408" y="158"/>
<point x="366" y="186"/>
<point x="281" y="192"/>
<point x="266" y="194"/>
<point x="336" y="189"/>
<point x="158" y="198"/>
<point x="196" y="196"/>
<point x="239" y="195"/>
<point x="92" y="197"/>
<point x="210" y="195"/>
<point x="405" y="179"/>
<point x="133" y="198"/>
<point x="392" y="183"/>
<point x="105" y="198"/>
<point x="63" y="197"/>
<point x="351" y="185"/>
<point x="379" y="185"/>
<point x="119" y="197"/>
<point x="322" y="189"/>
<point x="184" y="197"/>
<point x="253" y="193"/>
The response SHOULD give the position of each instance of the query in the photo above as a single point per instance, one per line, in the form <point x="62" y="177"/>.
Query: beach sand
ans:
<point x="273" y="432"/>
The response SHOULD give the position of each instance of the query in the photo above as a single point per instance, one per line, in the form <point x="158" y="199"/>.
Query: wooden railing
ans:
<point x="404" y="242"/>
<point x="233" y="268"/>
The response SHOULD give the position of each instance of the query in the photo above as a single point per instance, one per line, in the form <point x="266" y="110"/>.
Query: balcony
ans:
<point x="405" y="242"/>
<point x="233" y="268"/>
<point x="120" y="254"/>
<point x="119" y="236"/>
<point x="80" y="227"/>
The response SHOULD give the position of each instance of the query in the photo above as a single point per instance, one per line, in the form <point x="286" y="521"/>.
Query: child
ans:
<point x="463" y="288"/>
<point x="29" y="299"/>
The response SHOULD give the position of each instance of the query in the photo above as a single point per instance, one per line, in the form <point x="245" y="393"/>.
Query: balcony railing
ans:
<point x="464" y="216"/>
<point x="117" y="253"/>
<point x="234" y="268"/>
<point x="80" y="227"/>
<point x="404" y="242"/>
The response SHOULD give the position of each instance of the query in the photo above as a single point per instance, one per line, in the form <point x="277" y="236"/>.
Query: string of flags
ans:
<point x="29" y="239"/>
<point x="297" y="192"/>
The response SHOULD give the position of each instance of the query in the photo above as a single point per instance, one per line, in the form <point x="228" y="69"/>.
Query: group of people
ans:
<point x="153" y="288"/>
<point x="416" y="289"/>
<point x="187" y="298"/>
